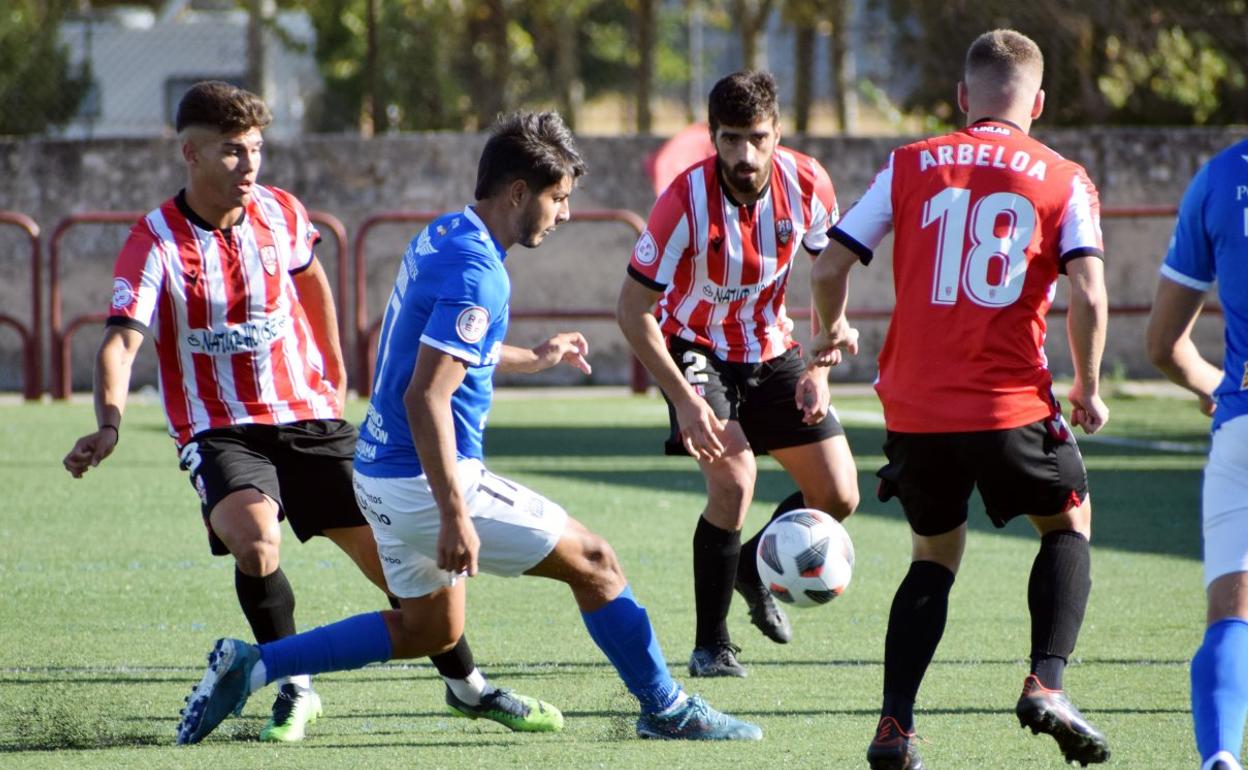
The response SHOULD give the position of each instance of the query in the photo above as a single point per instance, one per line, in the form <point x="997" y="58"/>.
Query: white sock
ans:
<point x="258" y="674"/>
<point x="680" y="701"/>
<point x="472" y="689"/>
<point x="1224" y="756"/>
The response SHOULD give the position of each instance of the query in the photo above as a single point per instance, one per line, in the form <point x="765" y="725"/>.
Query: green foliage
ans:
<point x="38" y="87"/>
<point x="1185" y="72"/>
<point x="1117" y="61"/>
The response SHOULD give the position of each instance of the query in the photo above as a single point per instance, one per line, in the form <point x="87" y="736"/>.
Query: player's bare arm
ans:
<point x="1085" y="328"/>
<point x="113" y="364"/>
<point x="427" y="401"/>
<point x="564" y="348"/>
<point x="700" y="429"/>
<point x="317" y="300"/>
<point x="811" y="395"/>
<point x="829" y="291"/>
<point x="1169" y="341"/>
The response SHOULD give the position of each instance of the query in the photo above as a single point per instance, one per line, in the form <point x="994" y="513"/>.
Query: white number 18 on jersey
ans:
<point x="1000" y="228"/>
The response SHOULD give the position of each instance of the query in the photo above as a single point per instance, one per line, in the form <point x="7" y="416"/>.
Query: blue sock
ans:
<point x="347" y="644"/>
<point x="622" y="630"/>
<point x="1220" y="688"/>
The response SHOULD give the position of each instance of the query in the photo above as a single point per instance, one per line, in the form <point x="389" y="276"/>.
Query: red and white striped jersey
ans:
<point x="722" y="267"/>
<point x="232" y="341"/>
<point x="984" y="219"/>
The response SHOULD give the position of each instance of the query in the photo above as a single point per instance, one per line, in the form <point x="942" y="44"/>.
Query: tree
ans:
<point x="750" y="18"/>
<point x="1116" y="61"/>
<point x="39" y="88"/>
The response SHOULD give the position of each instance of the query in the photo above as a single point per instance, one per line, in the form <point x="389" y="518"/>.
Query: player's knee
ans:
<point x="599" y="557"/>
<point x="840" y="503"/>
<point x="257" y="556"/>
<point x="423" y="634"/>
<point x="730" y="492"/>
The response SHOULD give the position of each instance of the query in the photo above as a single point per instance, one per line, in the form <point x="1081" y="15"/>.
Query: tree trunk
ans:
<point x="567" y="77"/>
<point x="803" y="72"/>
<point x="258" y="13"/>
<point x="842" y="68"/>
<point x="645" y="64"/>
<point x="374" y="117"/>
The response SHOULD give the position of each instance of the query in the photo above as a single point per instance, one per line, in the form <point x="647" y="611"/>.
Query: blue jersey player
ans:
<point x="1210" y="244"/>
<point x="438" y="515"/>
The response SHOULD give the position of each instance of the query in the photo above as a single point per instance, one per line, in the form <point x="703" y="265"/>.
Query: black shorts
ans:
<point x="304" y="466"/>
<point x="1034" y="470"/>
<point x="761" y="397"/>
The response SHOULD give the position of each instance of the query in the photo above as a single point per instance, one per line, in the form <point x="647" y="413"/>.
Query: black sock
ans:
<point x="455" y="663"/>
<point x="268" y="603"/>
<point x="916" y="623"/>
<point x="715" y="553"/>
<point x="747" y="565"/>
<point x="1057" y="596"/>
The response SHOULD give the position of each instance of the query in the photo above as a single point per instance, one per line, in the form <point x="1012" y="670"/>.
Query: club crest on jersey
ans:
<point x="646" y="251"/>
<point x="471" y="323"/>
<point x="268" y="258"/>
<point x="784" y="231"/>
<point x="123" y="293"/>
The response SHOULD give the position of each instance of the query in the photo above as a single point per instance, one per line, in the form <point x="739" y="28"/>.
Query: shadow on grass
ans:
<point x="1136" y="508"/>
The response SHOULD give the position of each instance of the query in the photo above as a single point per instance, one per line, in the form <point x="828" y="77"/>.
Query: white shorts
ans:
<point x="1224" y="504"/>
<point x="517" y="527"/>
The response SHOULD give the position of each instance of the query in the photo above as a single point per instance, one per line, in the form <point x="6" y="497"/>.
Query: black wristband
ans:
<point x="114" y="427"/>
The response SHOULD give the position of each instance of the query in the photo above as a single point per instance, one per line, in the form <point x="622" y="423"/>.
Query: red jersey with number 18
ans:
<point x="985" y="219"/>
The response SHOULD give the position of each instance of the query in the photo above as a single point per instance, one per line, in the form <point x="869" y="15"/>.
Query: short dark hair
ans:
<point x="227" y="108"/>
<point x="742" y="98"/>
<point x="1003" y="54"/>
<point x="534" y="146"/>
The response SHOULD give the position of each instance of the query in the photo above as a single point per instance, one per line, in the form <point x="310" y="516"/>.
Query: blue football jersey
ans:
<point x="1211" y="243"/>
<point x="451" y="293"/>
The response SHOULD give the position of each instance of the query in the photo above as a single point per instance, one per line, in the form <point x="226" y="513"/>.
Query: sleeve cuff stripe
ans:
<point x="645" y="280"/>
<point x="1082" y="251"/>
<point x="840" y="236"/>
<point x="127" y="322"/>
<point x="451" y="350"/>
<point x="1185" y="280"/>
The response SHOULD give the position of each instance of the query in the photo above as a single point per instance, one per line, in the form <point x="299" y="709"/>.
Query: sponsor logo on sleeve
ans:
<point x="123" y="294"/>
<point x="472" y="323"/>
<point x="646" y="251"/>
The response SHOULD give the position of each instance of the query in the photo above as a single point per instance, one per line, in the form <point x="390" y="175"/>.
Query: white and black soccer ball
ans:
<point x="805" y="558"/>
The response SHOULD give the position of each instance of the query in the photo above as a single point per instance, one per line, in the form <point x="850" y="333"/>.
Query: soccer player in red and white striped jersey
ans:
<point x="252" y="377"/>
<point x="985" y="219"/>
<point x="703" y="309"/>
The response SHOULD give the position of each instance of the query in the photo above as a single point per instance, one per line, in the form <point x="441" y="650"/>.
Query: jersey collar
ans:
<point x="486" y="235"/>
<point x="179" y="200"/>
<point x="1002" y="121"/>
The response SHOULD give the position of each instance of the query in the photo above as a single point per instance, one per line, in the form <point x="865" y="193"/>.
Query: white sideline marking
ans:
<point x="1176" y="447"/>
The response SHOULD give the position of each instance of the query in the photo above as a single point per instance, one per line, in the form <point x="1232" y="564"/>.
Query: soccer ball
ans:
<point x="805" y="558"/>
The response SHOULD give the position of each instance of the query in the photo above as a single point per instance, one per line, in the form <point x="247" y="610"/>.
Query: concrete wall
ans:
<point x="581" y="265"/>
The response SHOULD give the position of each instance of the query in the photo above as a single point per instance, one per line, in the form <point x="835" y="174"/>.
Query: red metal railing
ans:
<point x="359" y="356"/>
<point x="32" y="334"/>
<point x="366" y="329"/>
<point x="62" y="333"/>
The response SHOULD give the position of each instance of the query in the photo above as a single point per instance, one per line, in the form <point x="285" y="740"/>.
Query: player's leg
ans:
<point x="1037" y="469"/>
<point x="716" y="553"/>
<point x="1219" y="673"/>
<point x="468" y="692"/>
<point x="929" y="475"/>
<point x="730" y="488"/>
<point x="817" y="458"/>
<point x="621" y="628"/>
<point x="233" y="471"/>
<point x="827" y="480"/>
<point x="424" y="626"/>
